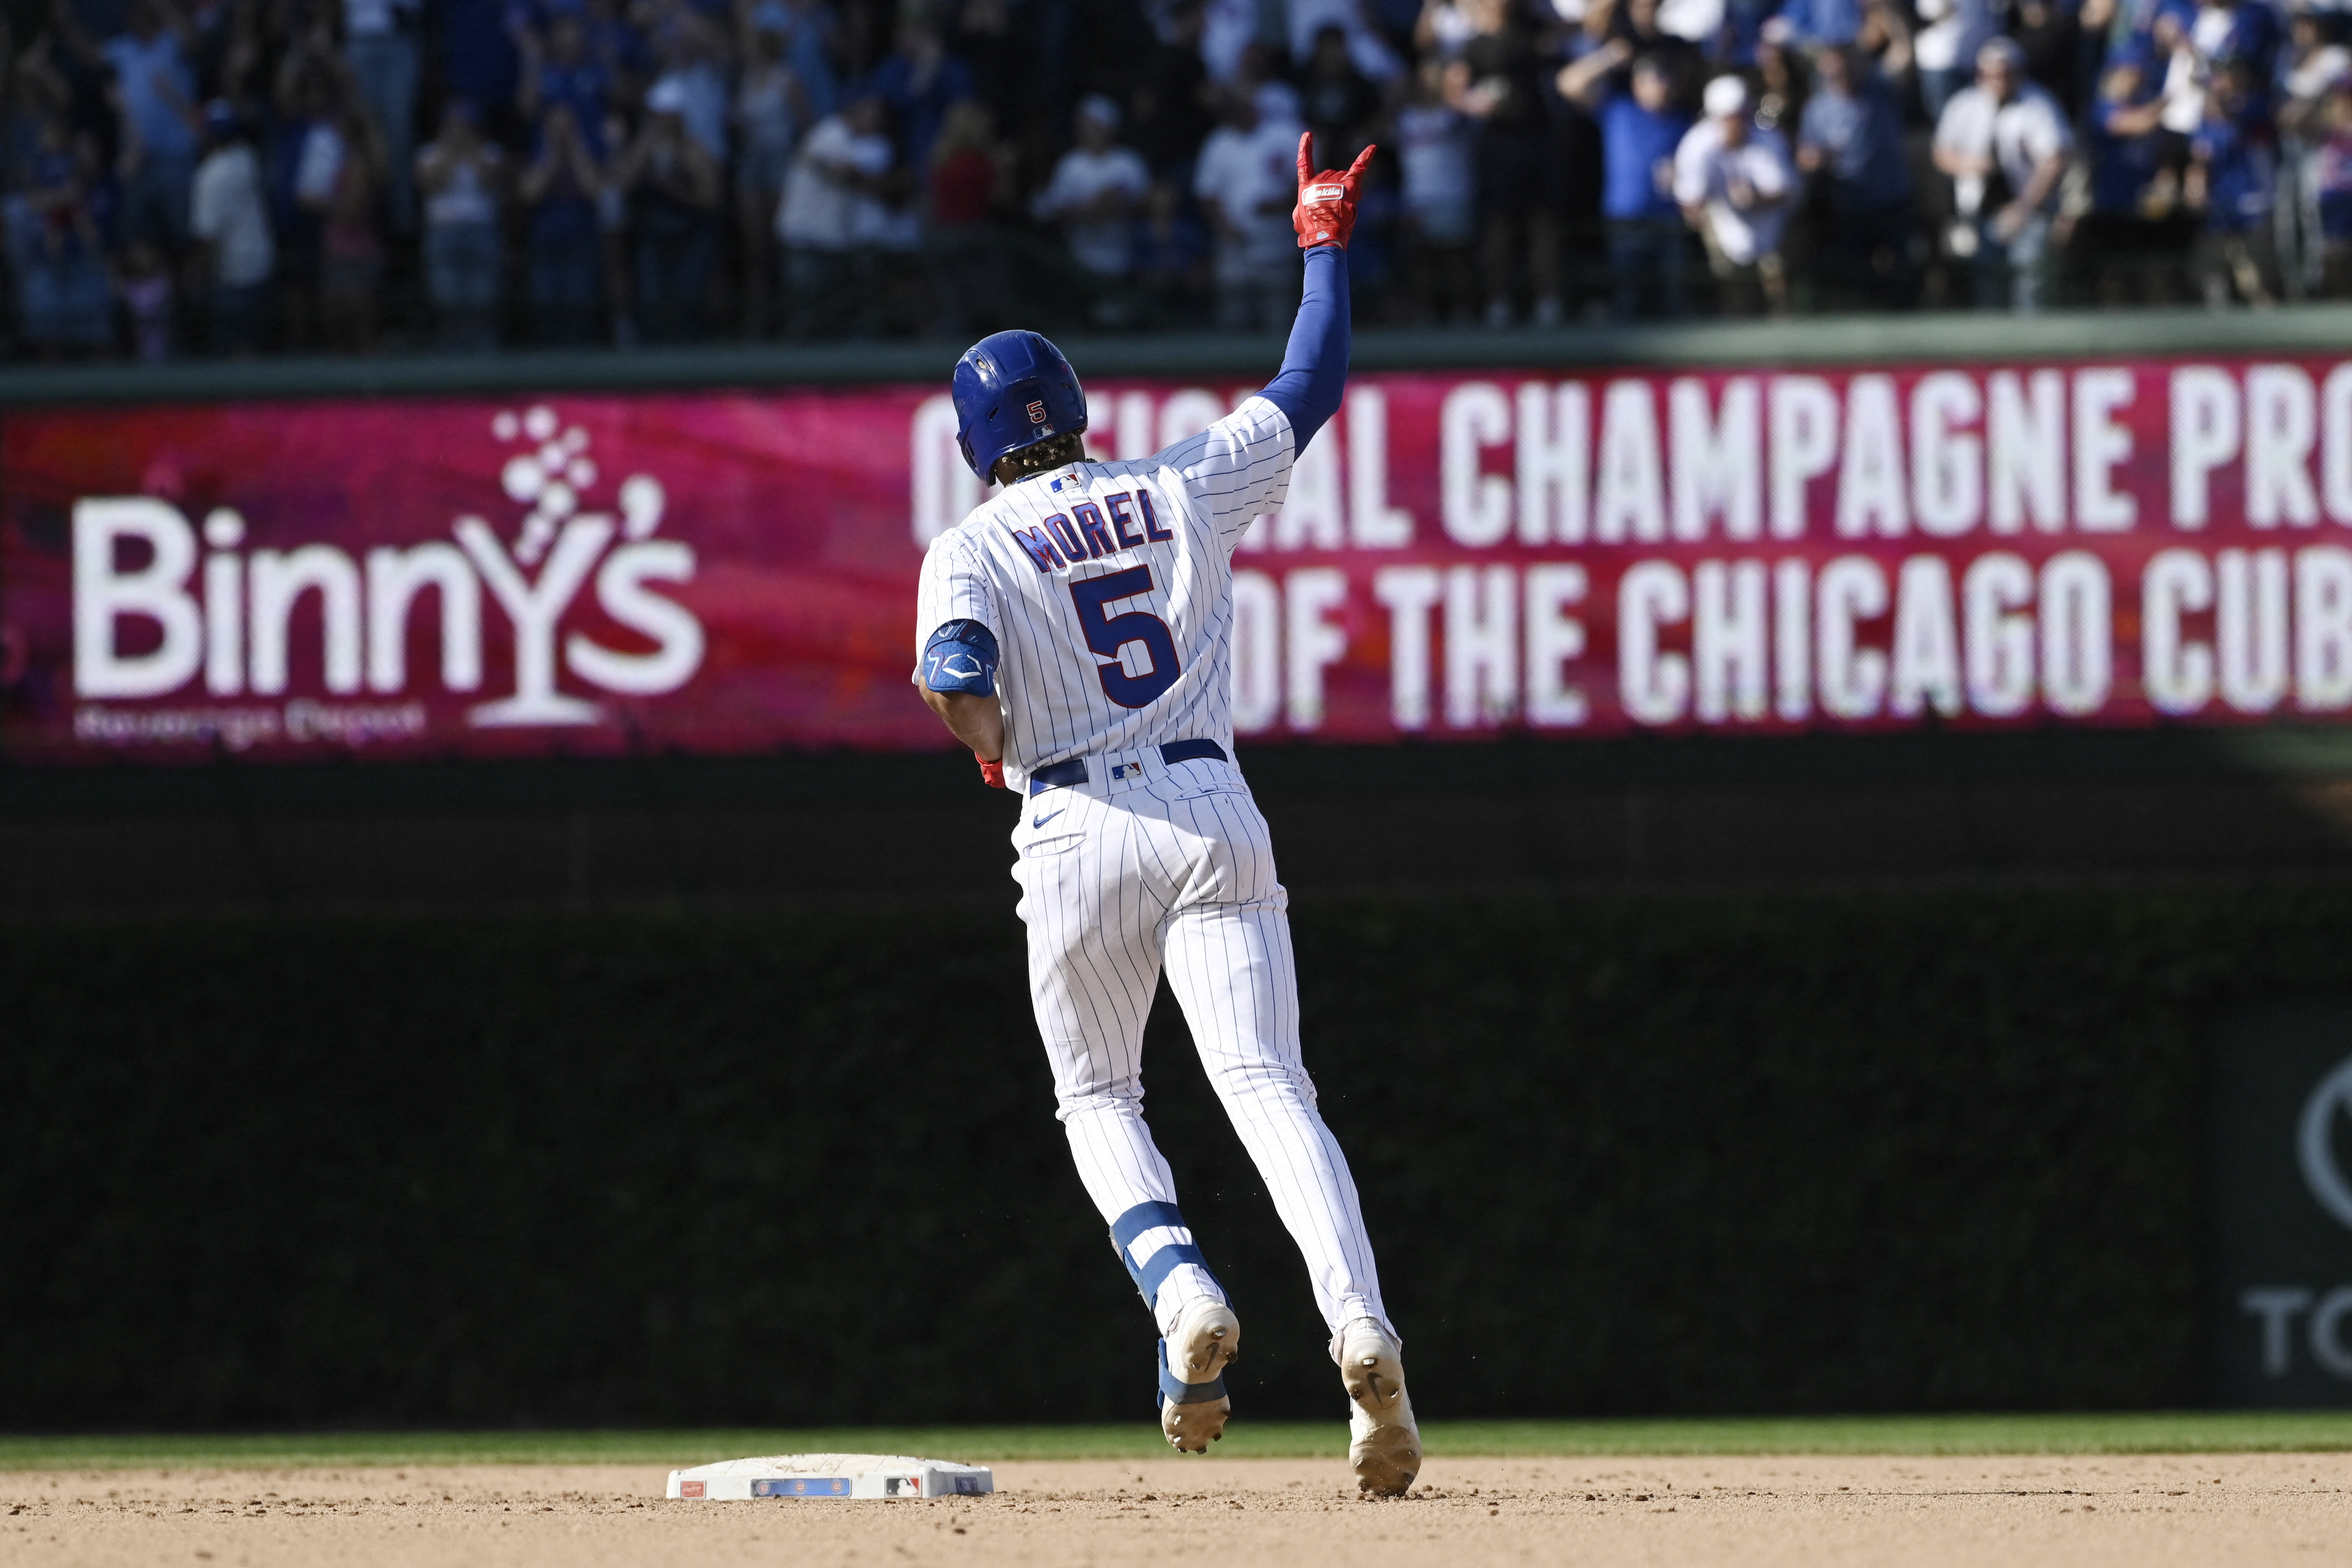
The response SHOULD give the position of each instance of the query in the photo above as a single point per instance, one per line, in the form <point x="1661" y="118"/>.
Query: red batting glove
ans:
<point x="1326" y="213"/>
<point x="992" y="773"/>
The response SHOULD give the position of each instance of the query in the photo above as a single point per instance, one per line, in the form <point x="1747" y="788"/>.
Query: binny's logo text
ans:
<point x="224" y="619"/>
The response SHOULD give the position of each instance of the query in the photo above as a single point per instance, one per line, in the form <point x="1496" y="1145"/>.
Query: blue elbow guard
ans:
<point x="961" y="656"/>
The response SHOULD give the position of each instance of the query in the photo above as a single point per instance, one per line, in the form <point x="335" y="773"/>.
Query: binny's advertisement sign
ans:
<point x="1460" y="556"/>
<point x="219" y="617"/>
<point x="591" y="574"/>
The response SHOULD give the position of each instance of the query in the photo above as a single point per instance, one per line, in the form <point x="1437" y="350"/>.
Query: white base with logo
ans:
<point x="850" y="1476"/>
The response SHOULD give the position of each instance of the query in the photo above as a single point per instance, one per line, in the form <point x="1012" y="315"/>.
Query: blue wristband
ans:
<point x="961" y="656"/>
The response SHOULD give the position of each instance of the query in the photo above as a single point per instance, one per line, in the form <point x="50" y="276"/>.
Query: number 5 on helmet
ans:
<point x="1326" y="213"/>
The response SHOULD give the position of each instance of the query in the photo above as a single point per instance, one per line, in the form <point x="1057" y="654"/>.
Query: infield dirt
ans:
<point x="2140" y="1510"/>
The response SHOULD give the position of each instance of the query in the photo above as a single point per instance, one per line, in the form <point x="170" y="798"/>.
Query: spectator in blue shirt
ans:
<point x="62" y="298"/>
<point x="2252" y="36"/>
<point x="155" y="93"/>
<point x="562" y="72"/>
<point x="1743" y="28"/>
<point x="807" y="29"/>
<point x="1648" y="241"/>
<point x="1850" y="142"/>
<point x="2126" y="138"/>
<point x="2144" y="26"/>
<point x="476" y="51"/>
<point x="618" y="46"/>
<point x="1824" y="22"/>
<point x="918" y="82"/>
<point x="566" y="257"/>
<point x="2234" y="177"/>
<point x="2130" y="243"/>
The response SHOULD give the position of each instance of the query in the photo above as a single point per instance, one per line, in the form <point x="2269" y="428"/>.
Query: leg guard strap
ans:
<point x="1175" y="1391"/>
<point x="1151" y="1270"/>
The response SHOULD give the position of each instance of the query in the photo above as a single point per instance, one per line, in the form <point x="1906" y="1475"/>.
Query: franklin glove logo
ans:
<point x="1326" y="213"/>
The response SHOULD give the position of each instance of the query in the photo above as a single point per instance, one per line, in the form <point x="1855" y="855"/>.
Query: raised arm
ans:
<point x="1314" y="371"/>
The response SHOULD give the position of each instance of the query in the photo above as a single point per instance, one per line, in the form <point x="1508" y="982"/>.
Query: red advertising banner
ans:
<point x="1460" y="555"/>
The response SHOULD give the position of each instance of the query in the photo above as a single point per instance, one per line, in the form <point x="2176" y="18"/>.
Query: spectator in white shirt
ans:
<point x="2004" y="144"/>
<point x="692" y="78"/>
<point x="1733" y="182"/>
<point x="1246" y="181"/>
<point x="1945" y="48"/>
<point x="228" y="214"/>
<point x="833" y="203"/>
<point x="1096" y="190"/>
<point x="1696" y="22"/>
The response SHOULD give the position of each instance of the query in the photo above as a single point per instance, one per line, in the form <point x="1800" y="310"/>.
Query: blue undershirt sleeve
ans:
<point x="1315" y="366"/>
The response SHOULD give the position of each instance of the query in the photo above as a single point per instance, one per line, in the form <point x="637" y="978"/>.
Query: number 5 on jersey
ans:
<point x="1106" y="634"/>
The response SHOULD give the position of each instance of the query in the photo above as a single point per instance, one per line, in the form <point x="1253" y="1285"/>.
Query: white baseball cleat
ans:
<point x="1193" y="1408"/>
<point x="1383" y="1443"/>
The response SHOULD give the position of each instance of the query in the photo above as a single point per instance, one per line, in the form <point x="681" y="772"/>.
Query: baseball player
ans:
<point x="1076" y="632"/>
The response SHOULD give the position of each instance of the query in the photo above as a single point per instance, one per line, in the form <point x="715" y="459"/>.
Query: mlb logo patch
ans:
<point x="1037" y="412"/>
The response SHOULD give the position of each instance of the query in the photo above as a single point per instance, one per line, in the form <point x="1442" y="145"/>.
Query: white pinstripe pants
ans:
<point x="1178" y="867"/>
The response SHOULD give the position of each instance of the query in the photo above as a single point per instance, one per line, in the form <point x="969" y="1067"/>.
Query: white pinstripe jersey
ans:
<point x="1109" y="587"/>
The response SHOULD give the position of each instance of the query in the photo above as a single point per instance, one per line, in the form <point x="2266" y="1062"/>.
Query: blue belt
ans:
<point x="1062" y="775"/>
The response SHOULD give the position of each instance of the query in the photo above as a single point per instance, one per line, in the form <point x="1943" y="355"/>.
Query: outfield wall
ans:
<point x="1819" y="1070"/>
<point x="1619" y="1155"/>
<point x="1545" y="544"/>
<point x="1976" y="728"/>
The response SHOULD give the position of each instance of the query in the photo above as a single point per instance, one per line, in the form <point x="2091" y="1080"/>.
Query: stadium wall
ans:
<point x="1688" y="1074"/>
<point x="1622" y="1155"/>
<point x="1954" y="338"/>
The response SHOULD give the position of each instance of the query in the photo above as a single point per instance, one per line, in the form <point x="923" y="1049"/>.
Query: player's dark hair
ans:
<point x="1053" y="452"/>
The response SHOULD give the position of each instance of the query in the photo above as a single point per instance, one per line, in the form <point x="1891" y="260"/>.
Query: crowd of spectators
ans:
<point x="234" y="176"/>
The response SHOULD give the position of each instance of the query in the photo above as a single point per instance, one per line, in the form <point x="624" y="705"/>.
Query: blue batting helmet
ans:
<point x="1014" y="390"/>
